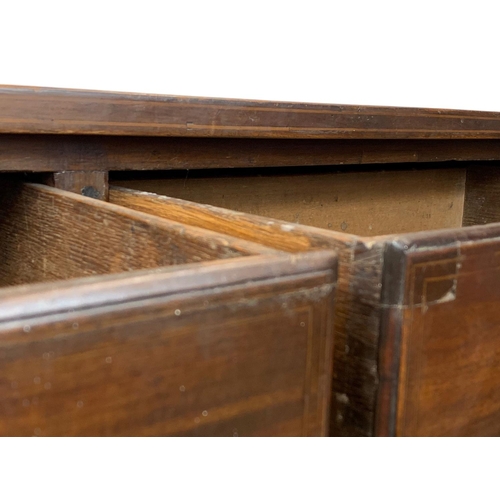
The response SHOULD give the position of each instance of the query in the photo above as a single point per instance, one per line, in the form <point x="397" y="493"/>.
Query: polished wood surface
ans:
<point x="233" y="336"/>
<point x="61" y="130"/>
<point x="234" y="348"/>
<point x="63" y="111"/>
<point x="440" y="356"/>
<point x="415" y="324"/>
<point x="357" y="305"/>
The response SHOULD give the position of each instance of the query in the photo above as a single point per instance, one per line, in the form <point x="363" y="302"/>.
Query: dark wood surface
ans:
<point x="90" y="183"/>
<point x="57" y="152"/>
<point x="357" y="305"/>
<point x="63" y="111"/>
<point x="48" y="234"/>
<point x="415" y="319"/>
<point x="234" y="348"/>
<point x="440" y="355"/>
<point x="415" y="324"/>
<point x="482" y="194"/>
<point x="61" y="130"/>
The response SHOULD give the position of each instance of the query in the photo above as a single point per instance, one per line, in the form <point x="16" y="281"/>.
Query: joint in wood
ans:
<point x="93" y="184"/>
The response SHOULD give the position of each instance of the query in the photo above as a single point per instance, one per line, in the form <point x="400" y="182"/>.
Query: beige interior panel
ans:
<point x="362" y="203"/>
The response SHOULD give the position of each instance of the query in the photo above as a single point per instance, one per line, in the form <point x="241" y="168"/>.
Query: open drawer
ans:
<point x="115" y="322"/>
<point x="49" y="234"/>
<point x="417" y="322"/>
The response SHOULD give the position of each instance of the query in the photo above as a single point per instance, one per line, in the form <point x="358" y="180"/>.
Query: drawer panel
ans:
<point x="239" y="347"/>
<point x="201" y="334"/>
<point x="440" y="335"/>
<point x="415" y="349"/>
<point x="155" y="327"/>
<point x="357" y="306"/>
<point x="49" y="234"/>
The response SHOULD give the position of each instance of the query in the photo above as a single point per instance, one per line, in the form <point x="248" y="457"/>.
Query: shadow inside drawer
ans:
<point x="47" y="234"/>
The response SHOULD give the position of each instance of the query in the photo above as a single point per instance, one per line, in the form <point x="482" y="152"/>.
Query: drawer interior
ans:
<point x="48" y="234"/>
<point x="368" y="201"/>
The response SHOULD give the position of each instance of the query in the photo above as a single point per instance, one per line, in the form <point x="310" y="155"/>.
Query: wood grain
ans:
<point x="276" y="233"/>
<point x="357" y="305"/>
<point x="415" y="320"/>
<point x="93" y="184"/>
<point x="362" y="203"/>
<point x="439" y="351"/>
<point x="62" y="111"/>
<point x="125" y="355"/>
<point x="415" y="317"/>
<point x="56" y="152"/>
<point x="49" y="234"/>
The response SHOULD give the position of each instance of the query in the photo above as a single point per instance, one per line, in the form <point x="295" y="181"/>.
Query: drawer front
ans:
<point x="416" y="326"/>
<point x="236" y="348"/>
<point x="357" y="307"/>
<point x="202" y="333"/>
<point x="415" y="352"/>
<point x="440" y="337"/>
